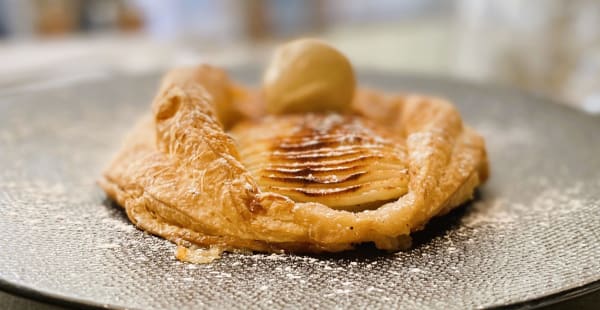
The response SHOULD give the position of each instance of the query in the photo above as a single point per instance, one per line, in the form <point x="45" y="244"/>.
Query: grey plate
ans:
<point x="533" y="232"/>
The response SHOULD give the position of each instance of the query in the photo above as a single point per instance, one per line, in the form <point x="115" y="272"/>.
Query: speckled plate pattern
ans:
<point x="532" y="232"/>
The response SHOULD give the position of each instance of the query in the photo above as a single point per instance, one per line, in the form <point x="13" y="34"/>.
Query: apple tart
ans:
<point x="308" y="163"/>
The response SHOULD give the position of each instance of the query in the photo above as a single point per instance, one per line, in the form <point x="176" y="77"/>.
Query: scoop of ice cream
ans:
<point x="308" y="75"/>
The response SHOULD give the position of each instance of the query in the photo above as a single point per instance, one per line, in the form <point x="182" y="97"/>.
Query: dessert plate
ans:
<point x="531" y="237"/>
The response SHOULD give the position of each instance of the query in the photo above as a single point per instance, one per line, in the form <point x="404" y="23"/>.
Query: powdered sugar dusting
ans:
<point x="503" y="210"/>
<point x="505" y="136"/>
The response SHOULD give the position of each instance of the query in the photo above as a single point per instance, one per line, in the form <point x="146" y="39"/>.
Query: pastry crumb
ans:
<point x="198" y="255"/>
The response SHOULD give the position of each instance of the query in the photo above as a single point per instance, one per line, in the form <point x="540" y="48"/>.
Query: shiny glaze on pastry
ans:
<point x="342" y="161"/>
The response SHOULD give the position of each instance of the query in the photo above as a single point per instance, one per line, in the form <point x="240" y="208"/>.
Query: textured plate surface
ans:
<point x="533" y="231"/>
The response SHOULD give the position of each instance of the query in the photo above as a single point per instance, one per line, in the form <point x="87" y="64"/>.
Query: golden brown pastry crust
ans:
<point x="179" y="174"/>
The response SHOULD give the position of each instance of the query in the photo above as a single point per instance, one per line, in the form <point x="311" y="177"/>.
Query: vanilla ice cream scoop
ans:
<point x="307" y="75"/>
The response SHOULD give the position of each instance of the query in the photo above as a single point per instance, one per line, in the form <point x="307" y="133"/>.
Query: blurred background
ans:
<point x="550" y="47"/>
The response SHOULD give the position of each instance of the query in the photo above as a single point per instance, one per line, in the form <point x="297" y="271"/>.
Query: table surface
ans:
<point x="434" y="46"/>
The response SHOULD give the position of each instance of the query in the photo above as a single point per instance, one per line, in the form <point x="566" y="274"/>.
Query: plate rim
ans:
<point x="80" y="303"/>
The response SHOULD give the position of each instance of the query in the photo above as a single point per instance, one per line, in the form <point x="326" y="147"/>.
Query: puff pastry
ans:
<point x="207" y="168"/>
